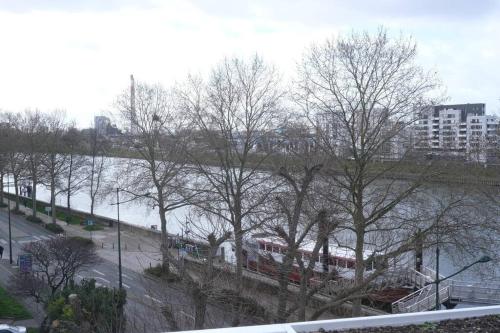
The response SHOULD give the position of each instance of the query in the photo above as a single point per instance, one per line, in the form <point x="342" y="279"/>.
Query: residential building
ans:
<point x="460" y="131"/>
<point x="101" y="124"/>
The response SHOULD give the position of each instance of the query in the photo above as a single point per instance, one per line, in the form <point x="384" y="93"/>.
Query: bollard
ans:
<point x="113" y="246"/>
<point x="102" y="245"/>
<point x="139" y="246"/>
<point x="150" y="264"/>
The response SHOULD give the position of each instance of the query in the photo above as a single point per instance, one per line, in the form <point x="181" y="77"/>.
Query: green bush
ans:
<point x="94" y="227"/>
<point x="55" y="228"/>
<point x="158" y="272"/>
<point x="34" y="219"/>
<point x="101" y="308"/>
<point x="2" y="205"/>
<point x="17" y="212"/>
<point x="10" y="308"/>
<point x="82" y="240"/>
<point x="154" y="271"/>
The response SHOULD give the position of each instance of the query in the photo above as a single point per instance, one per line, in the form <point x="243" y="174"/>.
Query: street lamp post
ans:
<point x="8" y="209"/>
<point x="119" y="238"/>
<point x="117" y="203"/>
<point x="481" y="260"/>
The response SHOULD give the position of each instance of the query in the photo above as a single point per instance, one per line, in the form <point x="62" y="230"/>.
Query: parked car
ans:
<point x="12" y="329"/>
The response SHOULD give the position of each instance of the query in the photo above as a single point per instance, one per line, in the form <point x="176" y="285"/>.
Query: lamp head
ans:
<point x="484" y="259"/>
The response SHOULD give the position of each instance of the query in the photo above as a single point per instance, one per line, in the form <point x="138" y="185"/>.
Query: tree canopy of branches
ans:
<point x="361" y="91"/>
<point x="230" y="112"/>
<point x="160" y="140"/>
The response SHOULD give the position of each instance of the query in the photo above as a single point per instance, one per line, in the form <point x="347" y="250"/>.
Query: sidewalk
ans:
<point x="138" y="251"/>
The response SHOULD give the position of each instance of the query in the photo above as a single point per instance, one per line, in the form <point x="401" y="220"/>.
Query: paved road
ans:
<point x="145" y="296"/>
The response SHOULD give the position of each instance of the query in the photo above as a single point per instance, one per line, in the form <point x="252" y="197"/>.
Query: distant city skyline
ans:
<point x="79" y="55"/>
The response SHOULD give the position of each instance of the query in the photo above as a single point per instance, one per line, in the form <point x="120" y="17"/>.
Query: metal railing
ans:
<point x="425" y="298"/>
<point x="475" y="292"/>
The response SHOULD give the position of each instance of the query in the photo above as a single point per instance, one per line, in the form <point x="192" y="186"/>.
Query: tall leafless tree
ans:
<point x="55" y="162"/>
<point x="361" y="91"/>
<point x="96" y="167"/>
<point x="74" y="175"/>
<point x="34" y="130"/>
<point x="159" y="141"/>
<point x="231" y="112"/>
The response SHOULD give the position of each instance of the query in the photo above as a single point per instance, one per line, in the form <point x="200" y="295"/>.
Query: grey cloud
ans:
<point x="333" y="11"/>
<point x="70" y="5"/>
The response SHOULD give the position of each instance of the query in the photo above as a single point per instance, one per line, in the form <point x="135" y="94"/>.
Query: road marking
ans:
<point x="5" y="269"/>
<point x="80" y="277"/>
<point x="126" y="276"/>
<point x="45" y="237"/>
<point x="3" y="241"/>
<point x="95" y="270"/>
<point x="37" y="238"/>
<point x="126" y="286"/>
<point x="153" y="299"/>
<point x="102" y="279"/>
<point x="24" y="241"/>
<point x="97" y="284"/>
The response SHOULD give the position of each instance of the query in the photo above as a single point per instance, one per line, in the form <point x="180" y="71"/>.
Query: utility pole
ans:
<point x="8" y="209"/>
<point x="119" y="239"/>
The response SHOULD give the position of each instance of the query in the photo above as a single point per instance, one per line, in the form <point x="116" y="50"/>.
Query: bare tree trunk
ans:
<point x="33" y="196"/>
<point x="360" y="269"/>
<point x="238" y="240"/>
<point x="92" y="197"/>
<point x="53" y="199"/>
<point x="1" y="188"/>
<point x="68" y="194"/>
<point x="301" y="313"/>
<point x="164" y="240"/>
<point x="200" y="308"/>
<point x="16" y="191"/>
<point x="283" y="278"/>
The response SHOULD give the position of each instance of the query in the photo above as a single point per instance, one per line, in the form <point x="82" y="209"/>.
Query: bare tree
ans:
<point x="96" y="167"/>
<point x="55" y="162"/>
<point x="159" y="140"/>
<point x="205" y="283"/>
<point x="238" y="105"/>
<point x="368" y="88"/>
<point x="14" y="155"/>
<point x="75" y="175"/>
<point x="56" y="262"/>
<point x="34" y="129"/>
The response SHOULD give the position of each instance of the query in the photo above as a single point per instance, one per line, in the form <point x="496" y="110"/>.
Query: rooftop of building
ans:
<point x="479" y="319"/>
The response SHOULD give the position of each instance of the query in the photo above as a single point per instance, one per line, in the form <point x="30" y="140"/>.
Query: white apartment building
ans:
<point x="461" y="131"/>
<point x="331" y="130"/>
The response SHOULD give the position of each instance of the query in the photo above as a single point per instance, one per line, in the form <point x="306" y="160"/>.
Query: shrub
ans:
<point x="33" y="219"/>
<point x="2" y="205"/>
<point x="82" y="240"/>
<point x="94" y="227"/>
<point x="158" y="272"/>
<point x="155" y="271"/>
<point x="55" y="228"/>
<point x="17" y="212"/>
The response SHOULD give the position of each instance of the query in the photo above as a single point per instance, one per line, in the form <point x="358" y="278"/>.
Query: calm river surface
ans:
<point x="139" y="213"/>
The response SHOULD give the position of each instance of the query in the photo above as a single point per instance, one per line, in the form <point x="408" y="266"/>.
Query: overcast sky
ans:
<point x="78" y="55"/>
